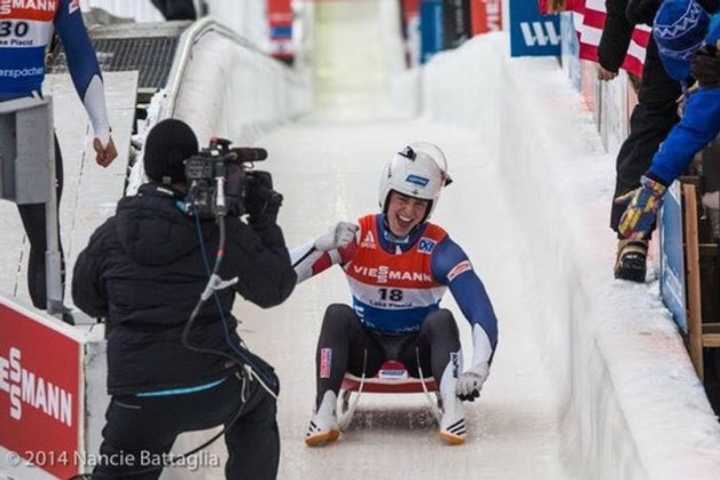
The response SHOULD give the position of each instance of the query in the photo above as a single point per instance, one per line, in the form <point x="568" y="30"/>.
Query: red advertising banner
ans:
<point x="554" y="6"/>
<point x="40" y="393"/>
<point x="411" y="8"/>
<point x="486" y="16"/>
<point x="279" y="12"/>
<point x="280" y="20"/>
<point x="478" y="15"/>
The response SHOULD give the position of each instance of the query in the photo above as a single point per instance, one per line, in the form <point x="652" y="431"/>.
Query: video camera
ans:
<point x="220" y="180"/>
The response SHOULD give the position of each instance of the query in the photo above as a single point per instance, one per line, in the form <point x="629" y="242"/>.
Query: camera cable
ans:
<point x="214" y="284"/>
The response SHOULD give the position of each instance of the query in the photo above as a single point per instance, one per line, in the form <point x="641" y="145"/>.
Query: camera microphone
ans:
<point x="250" y="154"/>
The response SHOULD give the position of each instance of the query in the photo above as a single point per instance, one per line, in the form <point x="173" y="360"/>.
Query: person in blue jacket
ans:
<point x="26" y="29"/>
<point x="688" y="52"/>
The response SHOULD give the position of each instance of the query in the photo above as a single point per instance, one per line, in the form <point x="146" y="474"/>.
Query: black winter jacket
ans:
<point x="144" y="272"/>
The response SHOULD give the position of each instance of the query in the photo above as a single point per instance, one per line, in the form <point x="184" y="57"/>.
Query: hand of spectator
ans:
<point x="642" y="206"/>
<point x="605" y="75"/>
<point x="105" y="153"/>
<point x="706" y="67"/>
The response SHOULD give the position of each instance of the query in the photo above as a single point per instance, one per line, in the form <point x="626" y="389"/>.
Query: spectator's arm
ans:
<point x="615" y="37"/>
<point x="698" y="127"/>
<point x="642" y="11"/>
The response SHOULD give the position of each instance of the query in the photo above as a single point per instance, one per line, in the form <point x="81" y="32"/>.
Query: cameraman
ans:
<point x="144" y="271"/>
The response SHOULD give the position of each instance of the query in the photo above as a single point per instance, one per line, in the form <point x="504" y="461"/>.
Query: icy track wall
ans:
<point x="224" y="87"/>
<point x="629" y="404"/>
<point x="229" y="89"/>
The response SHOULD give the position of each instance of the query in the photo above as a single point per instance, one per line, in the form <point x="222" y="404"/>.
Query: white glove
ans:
<point x="339" y="236"/>
<point x="471" y="381"/>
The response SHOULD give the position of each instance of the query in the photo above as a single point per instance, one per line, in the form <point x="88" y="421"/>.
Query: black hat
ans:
<point x="168" y="144"/>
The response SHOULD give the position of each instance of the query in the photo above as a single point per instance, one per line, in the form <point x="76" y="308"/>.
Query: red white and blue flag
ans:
<point x="590" y="18"/>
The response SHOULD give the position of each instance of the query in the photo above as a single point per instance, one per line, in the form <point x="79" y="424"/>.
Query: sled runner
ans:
<point x="391" y="378"/>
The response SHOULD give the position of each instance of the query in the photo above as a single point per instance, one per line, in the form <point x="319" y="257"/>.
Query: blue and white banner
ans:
<point x="672" y="261"/>
<point x="531" y="33"/>
<point x="431" y="29"/>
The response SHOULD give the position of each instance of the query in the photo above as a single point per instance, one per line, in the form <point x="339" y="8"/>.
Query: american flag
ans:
<point x="589" y="23"/>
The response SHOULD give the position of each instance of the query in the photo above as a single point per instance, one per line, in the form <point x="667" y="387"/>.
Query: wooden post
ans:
<point x="692" y="256"/>
<point x="711" y="335"/>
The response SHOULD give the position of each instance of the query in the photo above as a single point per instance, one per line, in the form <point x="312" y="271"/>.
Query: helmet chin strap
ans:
<point x="391" y="237"/>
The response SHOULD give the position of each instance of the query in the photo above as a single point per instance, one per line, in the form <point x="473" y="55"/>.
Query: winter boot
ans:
<point x="323" y="426"/>
<point x="452" y="420"/>
<point x="631" y="260"/>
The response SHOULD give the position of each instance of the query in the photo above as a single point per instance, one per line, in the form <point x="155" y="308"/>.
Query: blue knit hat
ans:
<point x="679" y="31"/>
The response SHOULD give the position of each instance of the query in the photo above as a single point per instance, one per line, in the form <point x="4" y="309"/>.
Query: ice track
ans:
<point x="329" y="172"/>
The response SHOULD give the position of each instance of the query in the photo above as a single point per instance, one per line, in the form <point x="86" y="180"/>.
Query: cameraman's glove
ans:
<point x="262" y="203"/>
<point x="471" y="381"/>
<point x="339" y="236"/>
<point x="643" y="204"/>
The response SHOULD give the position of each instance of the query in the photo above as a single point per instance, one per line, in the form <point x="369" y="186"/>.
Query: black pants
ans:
<point x="33" y="218"/>
<point x="344" y="342"/>
<point x="146" y="428"/>
<point x="650" y="122"/>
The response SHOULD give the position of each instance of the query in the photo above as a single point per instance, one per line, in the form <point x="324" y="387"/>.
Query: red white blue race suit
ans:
<point x="26" y="29"/>
<point x="396" y="285"/>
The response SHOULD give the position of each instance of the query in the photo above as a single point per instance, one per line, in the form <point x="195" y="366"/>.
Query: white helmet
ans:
<point x="419" y="170"/>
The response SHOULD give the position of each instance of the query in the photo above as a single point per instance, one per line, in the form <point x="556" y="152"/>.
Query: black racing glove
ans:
<point x="706" y="67"/>
<point x="262" y="203"/>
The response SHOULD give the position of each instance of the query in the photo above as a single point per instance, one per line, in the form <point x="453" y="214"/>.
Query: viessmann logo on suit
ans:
<point x="26" y="389"/>
<point x="383" y="274"/>
<point x="7" y="6"/>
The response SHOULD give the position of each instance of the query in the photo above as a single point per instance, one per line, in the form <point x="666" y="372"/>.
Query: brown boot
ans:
<point x="631" y="260"/>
